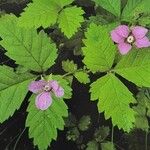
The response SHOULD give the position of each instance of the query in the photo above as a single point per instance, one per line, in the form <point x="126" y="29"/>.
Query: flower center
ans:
<point x="130" y="39"/>
<point x="47" y="88"/>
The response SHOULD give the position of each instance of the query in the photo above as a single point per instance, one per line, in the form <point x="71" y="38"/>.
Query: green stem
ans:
<point x="146" y="135"/>
<point x="18" y="139"/>
<point x="112" y="136"/>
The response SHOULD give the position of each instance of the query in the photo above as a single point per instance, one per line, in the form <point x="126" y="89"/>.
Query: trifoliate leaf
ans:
<point x="42" y="13"/>
<point x="135" y="67"/>
<point x="65" y="85"/>
<point x="43" y="125"/>
<point x="84" y="123"/>
<point x="108" y="146"/>
<point x="92" y="145"/>
<point x="101" y="133"/>
<point x="113" y="6"/>
<point x="70" y="20"/>
<point x="29" y="49"/>
<point x="133" y="8"/>
<point x="99" y="50"/>
<point x="114" y="99"/>
<point x="13" y="89"/>
<point x="69" y="66"/>
<point x="82" y="77"/>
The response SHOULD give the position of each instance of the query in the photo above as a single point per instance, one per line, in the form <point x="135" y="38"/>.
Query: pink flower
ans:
<point x="44" y="89"/>
<point x="125" y="37"/>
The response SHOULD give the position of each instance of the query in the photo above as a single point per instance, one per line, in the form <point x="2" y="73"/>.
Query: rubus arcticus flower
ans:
<point x="126" y="37"/>
<point x="44" y="89"/>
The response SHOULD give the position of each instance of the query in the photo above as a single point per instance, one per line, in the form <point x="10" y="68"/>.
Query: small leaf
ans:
<point x="99" y="50"/>
<point x="13" y="89"/>
<point x="113" y="6"/>
<point x="69" y="66"/>
<point x="92" y="145"/>
<point x="34" y="51"/>
<point x="108" y="146"/>
<point x="70" y="20"/>
<point x="116" y="103"/>
<point x="101" y="133"/>
<point x="43" y="125"/>
<point x="84" y="123"/>
<point x="82" y="77"/>
<point x="135" y="67"/>
<point x="73" y="134"/>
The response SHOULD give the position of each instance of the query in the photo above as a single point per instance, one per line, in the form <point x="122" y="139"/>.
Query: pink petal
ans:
<point x="144" y="42"/>
<point x="139" y="32"/>
<point x="59" y="92"/>
<point x="54" y="84"/>
<point x="43" y="101"/>
<point x="116" y="37"/>
<point x="36" y="86"/>
<point x="123" y="31"/>
<point x="124" y="48"/>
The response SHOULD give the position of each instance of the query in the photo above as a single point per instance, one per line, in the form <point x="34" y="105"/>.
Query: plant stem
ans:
<point x="146" y="135"/>
<point x="112" y="137"/>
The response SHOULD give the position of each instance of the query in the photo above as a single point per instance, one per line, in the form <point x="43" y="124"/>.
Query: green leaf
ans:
<point x="82" y="77"/>
<point x="70" y="20"/>
<point x="13" y="89"/>
<point x="73" y="134"/>
<point x="69" y="66"/>
<point x="135" y="67"/>
<point x="142" y="110"/>
<point x="92" y="145"/>
<point x="133" y="8"/>
<point x="144" y="20"/>
<point x="101" y="133"/>
<point x="116" y="103"/>
<point x="42" y="13"/>
<point x="113" y="6"/>
<point x="29" y="49"/>
<point x="84" y="123"/>
<point x="99" y="50"/>
<point x="43" y="125"/>
<point x="108" y="146"/>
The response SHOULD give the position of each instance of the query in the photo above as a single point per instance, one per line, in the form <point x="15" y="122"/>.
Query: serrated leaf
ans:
<point x="43" y="125"/>
<point x="73" y="134"/>
<point x="42" y="13"/>
<point x="99" y="50"/>
<point x="13" y="89"/>
<point x="82" y="77"/>
<point x="84" y="123"/>
<point x="69" y="66"/>
<point x="133" y="8"/>
<point x="70" y="20"/>
<point x="113" y="6"/>
<point x="29" y="49"/>
<point x="116" y="103"/>
<point x="108" y="146"/>
<point x="101" y="133"/>
<point x="144" y="20"/>
<point x="92" y="145"/>
<point x="135" y="67"/>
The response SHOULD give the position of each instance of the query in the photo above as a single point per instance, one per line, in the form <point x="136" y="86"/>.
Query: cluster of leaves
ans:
<point x="77" y="130"/>
<point x="36" y="52"/>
